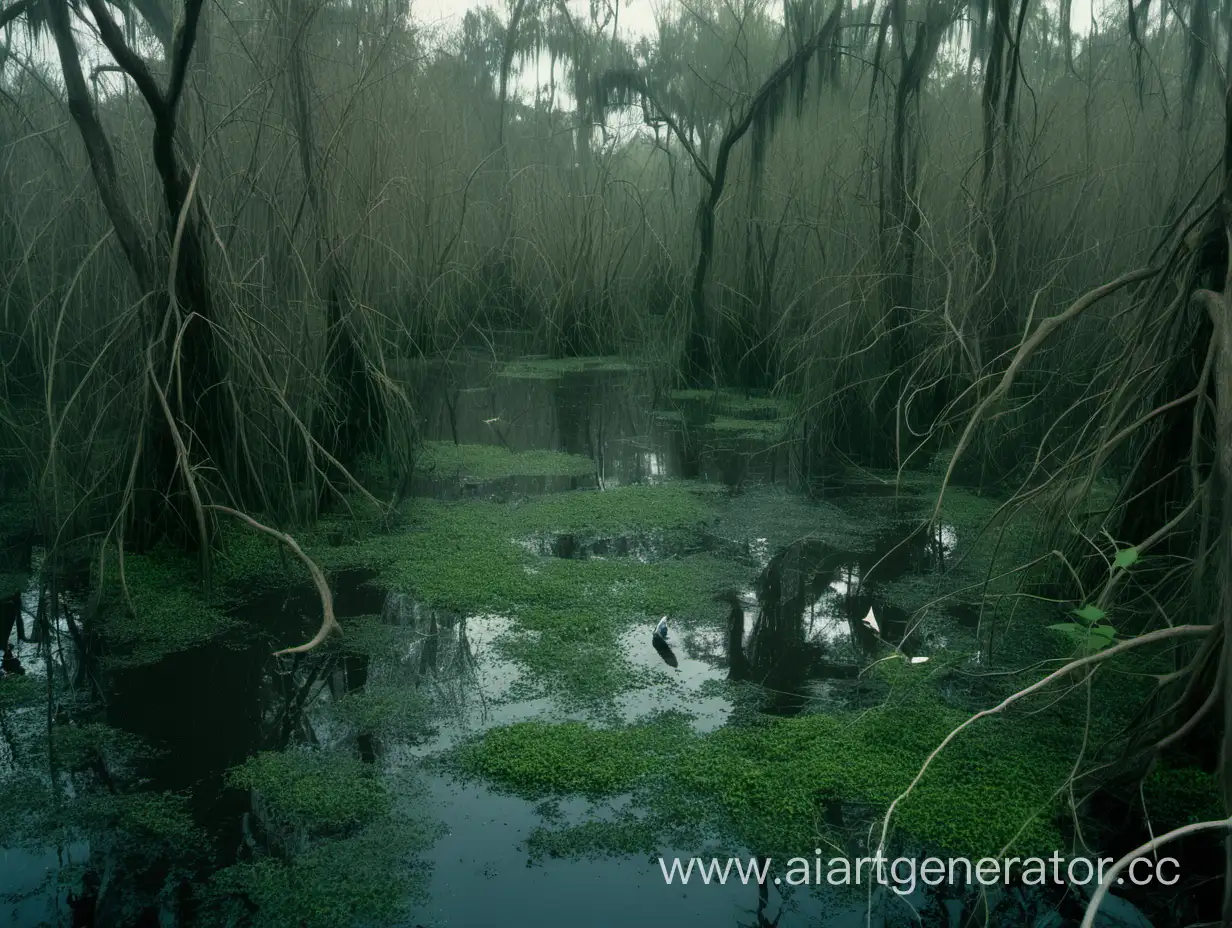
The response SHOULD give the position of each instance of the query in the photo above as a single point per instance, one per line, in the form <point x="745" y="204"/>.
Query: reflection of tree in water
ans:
<point x="803" y="594"/>
<point x="438" y="654"/>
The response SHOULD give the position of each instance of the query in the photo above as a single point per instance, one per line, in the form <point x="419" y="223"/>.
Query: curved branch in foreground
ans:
<point x="328" y="622"/>
<point x="1179" y="631"/>
<point x="1088" y="919"/>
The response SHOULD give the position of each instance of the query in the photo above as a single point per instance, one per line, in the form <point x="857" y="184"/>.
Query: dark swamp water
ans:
<point x="782" y="638"/>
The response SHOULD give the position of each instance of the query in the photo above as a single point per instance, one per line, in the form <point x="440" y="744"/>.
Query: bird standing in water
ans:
<point x="660" y="631"/>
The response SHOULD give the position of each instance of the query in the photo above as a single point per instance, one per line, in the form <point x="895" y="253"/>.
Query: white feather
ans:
<point x="871" y="621"/>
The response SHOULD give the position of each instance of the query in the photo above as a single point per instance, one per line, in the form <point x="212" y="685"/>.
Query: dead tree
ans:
<point x="187" y="422"/>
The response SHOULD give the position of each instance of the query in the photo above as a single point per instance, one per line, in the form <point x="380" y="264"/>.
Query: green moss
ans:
<point x="736" y="404"/>
<point x="249" y="563"/>
<point x="21" y="691"/>
<point x="752" y="407"/>
<point x="493" y="462"/>
<point x="693" y="396"/>
<point x="568" y="615"/>
<point x="763" y="784"/>
<point x="370" y="878"/>
<point x="772" y="517"/>
<point x="77" y="746"/>
<point x="620" y="510"/>
<point x="536" y="759"/>
<point x="165" y="611"/>
<point x="552" y="368"/>
<point x="769" y="780"/>
<point x="1181" y="796"/>
<point x="162" y="816"/>
<point x="313" y="789"/>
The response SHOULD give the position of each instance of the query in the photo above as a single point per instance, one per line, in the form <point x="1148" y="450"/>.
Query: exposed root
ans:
<point x="328" y="622"/>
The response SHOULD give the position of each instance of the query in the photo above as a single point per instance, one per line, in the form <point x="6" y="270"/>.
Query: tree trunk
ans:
<point x="183" y="359"/>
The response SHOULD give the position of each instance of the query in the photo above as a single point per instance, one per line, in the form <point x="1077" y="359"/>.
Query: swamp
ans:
<point x="615" y="463"/>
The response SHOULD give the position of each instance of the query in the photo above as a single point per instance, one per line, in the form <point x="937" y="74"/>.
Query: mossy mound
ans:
<point x="164" y="611"/>
<point x="358" y="857"/>
<point x="398" y="711"/>
<point x="316" y="790"/>
<point x="77" y="747"/>
<point x="372" y="637"/>
<point x="494" y="462"/>
<point x="155" y="820"/>
<point x="769" y="781"/>
<point x="536" y="759"/>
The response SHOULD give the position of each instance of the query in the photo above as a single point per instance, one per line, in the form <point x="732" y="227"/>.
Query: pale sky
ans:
<point x="637" y="17"/>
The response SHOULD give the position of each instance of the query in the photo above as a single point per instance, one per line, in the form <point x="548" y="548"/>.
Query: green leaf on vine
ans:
<point x="1090" y="614"/>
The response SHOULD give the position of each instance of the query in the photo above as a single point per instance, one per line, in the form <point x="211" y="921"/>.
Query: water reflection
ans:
<point x="606" y="415"/>
<point x="800" y="628"/>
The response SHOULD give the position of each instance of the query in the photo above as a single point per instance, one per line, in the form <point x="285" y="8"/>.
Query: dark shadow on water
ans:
<point x="664" y="651"/>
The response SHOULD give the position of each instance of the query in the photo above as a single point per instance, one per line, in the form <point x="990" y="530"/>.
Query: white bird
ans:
<point x="661" y="629"/>
<point x="871" y="621"/>
<point x="919" y="660"/>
